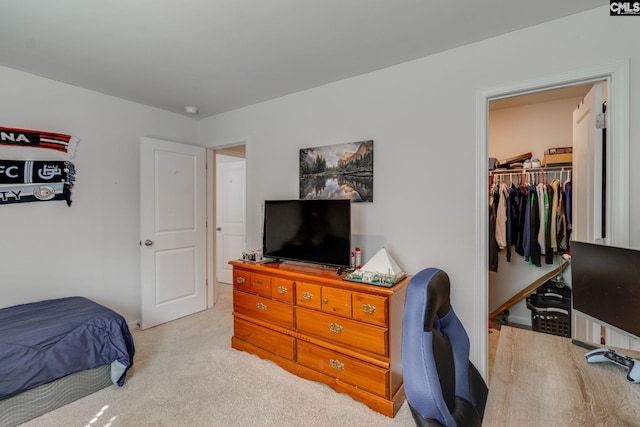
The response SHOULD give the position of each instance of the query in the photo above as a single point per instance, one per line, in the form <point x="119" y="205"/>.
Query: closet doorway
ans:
<point x="522" y="125"/>
<point x="617" y="135"/>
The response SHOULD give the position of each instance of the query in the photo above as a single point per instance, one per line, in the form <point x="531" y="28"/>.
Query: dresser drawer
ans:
<point x="352" y="371"/>
<point x="275" y="342"/>
<point x="341" y="330"/>
<point x="264" y="309"/>
<point x="336" y="301"/>
<point x="309" y="295"/>
<point x="241" y="279"/>
<point x="370" y="308"/>
<point x="283" y="289"/>
<point x="261" y="284"/>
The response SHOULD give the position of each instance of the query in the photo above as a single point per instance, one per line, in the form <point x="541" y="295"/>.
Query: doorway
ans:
<point x="617" y="77"/>
<point x="528" y="126"/>
<point x="227" y="213"/>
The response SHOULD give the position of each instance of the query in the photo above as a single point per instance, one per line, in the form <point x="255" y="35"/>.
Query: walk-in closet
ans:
<point x="530" y="147"/>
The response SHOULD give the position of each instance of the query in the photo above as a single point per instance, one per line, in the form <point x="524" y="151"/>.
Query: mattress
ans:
<point x="47" y="340"/>
<point x="38" y="401"/>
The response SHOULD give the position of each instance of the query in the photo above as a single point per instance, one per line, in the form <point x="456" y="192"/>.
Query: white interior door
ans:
<point x="230" y="214"/>
<point x="587" y="189"/>
<point x="587" y="168"/>
<point x="172" y="230"/>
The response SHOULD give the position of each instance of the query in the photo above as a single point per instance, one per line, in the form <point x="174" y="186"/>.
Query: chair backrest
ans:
<point x="435" y="354"/>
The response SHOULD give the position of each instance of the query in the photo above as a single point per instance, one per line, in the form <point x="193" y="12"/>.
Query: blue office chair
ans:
<point x="442" y="386"/>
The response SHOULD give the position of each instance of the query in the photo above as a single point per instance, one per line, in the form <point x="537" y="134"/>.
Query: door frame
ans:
<point x="617" y="77"/>
<point x="212" y="150"/>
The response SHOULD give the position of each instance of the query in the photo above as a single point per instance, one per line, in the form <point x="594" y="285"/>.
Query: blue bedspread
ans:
<point x="46" y="340"/>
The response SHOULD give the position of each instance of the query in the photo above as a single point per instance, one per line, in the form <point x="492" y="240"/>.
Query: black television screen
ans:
<point x="605" y="281"/>
<point x="315" y="231"/>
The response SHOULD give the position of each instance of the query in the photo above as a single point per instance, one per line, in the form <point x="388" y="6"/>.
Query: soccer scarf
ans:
<point x="33" y="171"/>
<point x="20" y="193"/>
<point x="35" y="180"/>
<point x="39" y="139"/>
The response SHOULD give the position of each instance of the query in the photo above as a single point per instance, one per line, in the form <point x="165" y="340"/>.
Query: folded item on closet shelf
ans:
<point x="39" y="139"/>
<point x="36" y="171"/>
<point x="559" y="150"/>
<point x="516" y="159"/>
<point x="22" y="193"/>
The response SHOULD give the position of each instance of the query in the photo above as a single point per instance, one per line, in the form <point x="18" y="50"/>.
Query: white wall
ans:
<point x="531" y="128"/>
<point x="50" y="250"/>
<point x="422" y="118"/>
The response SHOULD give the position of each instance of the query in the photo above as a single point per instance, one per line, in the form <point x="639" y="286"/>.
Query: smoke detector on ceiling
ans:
<point x="191" y="110"/>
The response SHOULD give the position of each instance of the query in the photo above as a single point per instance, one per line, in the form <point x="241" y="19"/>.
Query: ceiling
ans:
<point x="220" y="55"/>
<point x="574" y="91"/>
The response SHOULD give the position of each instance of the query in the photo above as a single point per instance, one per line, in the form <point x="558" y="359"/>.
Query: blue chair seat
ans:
<point x="442" y="386"/>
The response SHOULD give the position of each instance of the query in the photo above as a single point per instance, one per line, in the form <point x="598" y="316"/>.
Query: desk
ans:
<point x="545" y="380"/>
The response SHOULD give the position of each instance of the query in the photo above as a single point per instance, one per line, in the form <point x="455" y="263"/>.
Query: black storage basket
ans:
<point x="551" y="309"/>
<point x="551" y="323"/>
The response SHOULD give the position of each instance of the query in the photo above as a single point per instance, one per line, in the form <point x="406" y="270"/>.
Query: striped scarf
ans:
<point x="39" y="139"/>
<point x="35" y="180"/>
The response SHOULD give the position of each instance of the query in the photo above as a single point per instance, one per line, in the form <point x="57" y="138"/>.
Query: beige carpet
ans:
<point x="185" y="373"/>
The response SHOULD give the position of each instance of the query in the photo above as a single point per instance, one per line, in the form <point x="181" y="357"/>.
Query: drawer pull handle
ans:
<point x="307" y="295"/>
<point x="261" y="306"/>
<point x="335" y="328"/>
<point x="282" y="289"/>
<point x="368" y="308"/>
<point x="240" y="280"/>
<point x="336" y="364"/>
<point x="259" y="282"/>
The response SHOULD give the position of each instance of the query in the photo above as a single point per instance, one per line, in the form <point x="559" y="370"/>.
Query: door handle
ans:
<point x="218" y="228"/>
<point x="148" y="242"/>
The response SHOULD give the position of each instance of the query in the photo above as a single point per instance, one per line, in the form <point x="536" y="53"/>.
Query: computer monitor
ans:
<point x="606" y="285"/>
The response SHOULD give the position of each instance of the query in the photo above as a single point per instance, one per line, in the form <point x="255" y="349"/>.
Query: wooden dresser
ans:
<point x="317" y="326"/>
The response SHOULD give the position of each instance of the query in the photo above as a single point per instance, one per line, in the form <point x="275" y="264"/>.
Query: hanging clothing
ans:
<point x="493" y="244"/>
<point x="555" y="184"/>
<point x="561" y="224"/>
<point x="526" y="231"/>
<point x="501" y="217"/>
<point x="540" y="189"/>
<point x="522" y="196"/>
<point x="567" y="210"/>
<point x="548" y="251"/>
<point x="534" y="249"/>
<point x="532" y="217"/>
<point x="512" y="219"/>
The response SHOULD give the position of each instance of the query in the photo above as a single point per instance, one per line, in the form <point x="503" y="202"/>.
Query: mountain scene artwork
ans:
<point x="340" y="171"/>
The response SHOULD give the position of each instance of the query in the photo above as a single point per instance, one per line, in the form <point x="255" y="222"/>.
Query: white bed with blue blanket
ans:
<point x="56" y="351"/>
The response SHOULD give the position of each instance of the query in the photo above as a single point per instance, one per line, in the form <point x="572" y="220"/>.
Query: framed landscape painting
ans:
<point x="341" y="171"/>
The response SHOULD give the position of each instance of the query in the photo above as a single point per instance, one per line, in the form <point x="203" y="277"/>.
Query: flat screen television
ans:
<point x="314" y="231"/>
<point x="605" y="282"/>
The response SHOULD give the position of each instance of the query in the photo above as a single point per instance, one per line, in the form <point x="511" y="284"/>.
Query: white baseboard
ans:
<point x="134" y="324"/>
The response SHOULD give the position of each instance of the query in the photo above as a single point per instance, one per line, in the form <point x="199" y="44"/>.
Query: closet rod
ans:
<point x="531" y="170"/>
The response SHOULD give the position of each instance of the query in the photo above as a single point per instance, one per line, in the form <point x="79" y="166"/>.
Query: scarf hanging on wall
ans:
<point x="35" y="180"/>
<point x="39" y="139"/>
<point x="21" y="193"/>
<point x="34" y="171"/>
